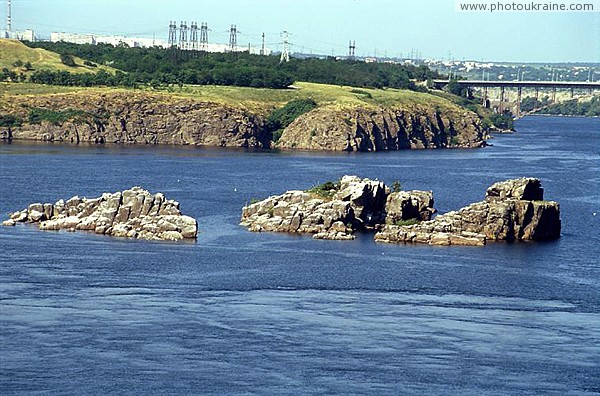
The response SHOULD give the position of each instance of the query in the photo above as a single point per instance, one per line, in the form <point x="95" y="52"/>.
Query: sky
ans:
<point x="380" y="27"/>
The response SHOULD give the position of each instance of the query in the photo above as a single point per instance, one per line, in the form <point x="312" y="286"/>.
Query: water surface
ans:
<point x="250" y="313"/>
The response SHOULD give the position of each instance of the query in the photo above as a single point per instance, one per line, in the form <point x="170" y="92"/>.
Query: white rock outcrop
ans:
<point x="133" y="213"/>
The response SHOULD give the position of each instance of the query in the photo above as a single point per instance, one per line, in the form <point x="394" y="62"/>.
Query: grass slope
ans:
<point x="13" y="50"/>
<point x="260" y="100"/>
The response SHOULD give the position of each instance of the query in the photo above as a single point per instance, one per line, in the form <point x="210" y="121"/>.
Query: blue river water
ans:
<point x="259" y="313"/>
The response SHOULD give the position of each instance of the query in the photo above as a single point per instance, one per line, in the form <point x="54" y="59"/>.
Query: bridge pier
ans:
<point x="519" y="95"/>
<point x="501" y="100"/>
<point x="485" y="97"/>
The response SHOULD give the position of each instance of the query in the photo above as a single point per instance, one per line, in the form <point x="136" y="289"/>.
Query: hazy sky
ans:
<point x="392" y="27"/>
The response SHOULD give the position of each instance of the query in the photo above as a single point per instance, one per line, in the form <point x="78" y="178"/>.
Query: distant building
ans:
<point x="94" y="39"/>
<point x="23" y="35"/>
<point x="88" y="38"/>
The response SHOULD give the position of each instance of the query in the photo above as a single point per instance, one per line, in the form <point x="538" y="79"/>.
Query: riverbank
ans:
<point x="345" y="118"/>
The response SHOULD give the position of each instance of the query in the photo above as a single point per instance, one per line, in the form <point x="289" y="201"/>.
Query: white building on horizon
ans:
<point x="94" y="39"/>
<point x="89" y="38"/>
<point x="22" y="35"/>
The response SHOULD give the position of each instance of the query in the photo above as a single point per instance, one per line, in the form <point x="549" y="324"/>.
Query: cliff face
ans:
<point x="380" y="129"/>
<point x="125" y="117"/>
<point x="137" y="117"/>
<point x="512" y="210"/>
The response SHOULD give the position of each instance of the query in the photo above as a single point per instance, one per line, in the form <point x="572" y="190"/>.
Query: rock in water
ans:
<point x="354" y="204"/>
<point x="512" y="210"/>
<point x="134" y="213"/>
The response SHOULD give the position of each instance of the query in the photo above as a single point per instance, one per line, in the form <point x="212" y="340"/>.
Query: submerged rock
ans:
<point x="512" y="210"/>
<point x="134" y="213"/>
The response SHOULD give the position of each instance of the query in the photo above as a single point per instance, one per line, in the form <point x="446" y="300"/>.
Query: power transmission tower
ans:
<point x="351" y="50"/>
<point x="183" y="29"/>
<point x="233" y="38"/>
<point x="172" y="34"/>
<point x="285" y="52"/>
<point x="8" y="18"/>
<point x="194" y="36"/>
<point x="262" y="48"/>
<point x="204" y="37"/>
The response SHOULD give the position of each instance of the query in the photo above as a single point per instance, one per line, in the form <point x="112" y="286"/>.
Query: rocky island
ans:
<point x="337" y="210"/>
<point x="512" y="210"/>
<point x="133" y="213"/>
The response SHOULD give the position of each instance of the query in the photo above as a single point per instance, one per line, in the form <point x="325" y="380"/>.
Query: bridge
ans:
<point x="589" y="86"/>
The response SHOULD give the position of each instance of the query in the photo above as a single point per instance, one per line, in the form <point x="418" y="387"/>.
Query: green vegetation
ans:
<point x="38" y="115"/>
<point x="326" y="190"/>
<point x="587" y="108"/>
<point x="530" y="103"/>
<point x="362" y="92"/>
<point x="82" y="80"/>
<point x="68" y="60"/>
<point x="279" y="119"/>
<point x="454" y="88"/>
<point x="502" y="121"/>
<point x="157" y="66"/>
<point x="407" y="222"/>
<point x="396" y="186"/>
<point x="10" y="121"/>
<point x="27" y="59"/>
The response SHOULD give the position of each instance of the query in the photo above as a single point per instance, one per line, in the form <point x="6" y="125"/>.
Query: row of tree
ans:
<point x="589" y="108"/>
<point x="171" y="66"/>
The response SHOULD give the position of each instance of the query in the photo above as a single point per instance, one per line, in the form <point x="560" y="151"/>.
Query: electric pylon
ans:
<point x="172" y="34"/>
<point x="194" y="36"/>
<point x="233" y="38"/>
<point x="183" y="29"/>
<point x="204" y="37"/>
<point x="285" y="52"/>
<point x="351" y="50"/>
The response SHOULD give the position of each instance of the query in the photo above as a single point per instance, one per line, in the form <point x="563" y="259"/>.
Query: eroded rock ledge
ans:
<point x="353" y="204"/>
<point x="134" y="213"/>
<point x="512" y="210"/>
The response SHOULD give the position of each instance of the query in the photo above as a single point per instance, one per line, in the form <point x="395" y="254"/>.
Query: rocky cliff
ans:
<point x="139" y="117"/>
<point x="512" y="210"/>
<point x="383" y="128"/>
<point x="353" y="204"/>
<point x="133" y="213"/>
<point x="136" y="117"/>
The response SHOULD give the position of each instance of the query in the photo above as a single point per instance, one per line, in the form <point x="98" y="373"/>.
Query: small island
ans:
<point x="512" y="210"/>
<point x="133" y="213"/>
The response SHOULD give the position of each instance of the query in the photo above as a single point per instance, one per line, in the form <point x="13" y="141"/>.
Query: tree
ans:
<point x="68" y="60"/>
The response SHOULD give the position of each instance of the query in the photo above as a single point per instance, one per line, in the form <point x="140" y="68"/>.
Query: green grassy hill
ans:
<point x="259" y="100"/>
<point x="12" y="51"/>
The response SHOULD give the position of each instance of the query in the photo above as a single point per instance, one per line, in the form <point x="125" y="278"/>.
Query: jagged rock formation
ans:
<point x="512" y="210"/>
<point x="381" y="129"/>
<point x="133" y="213"/>
<point x="355" y="204"/>
<point x="140" y="118"/>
